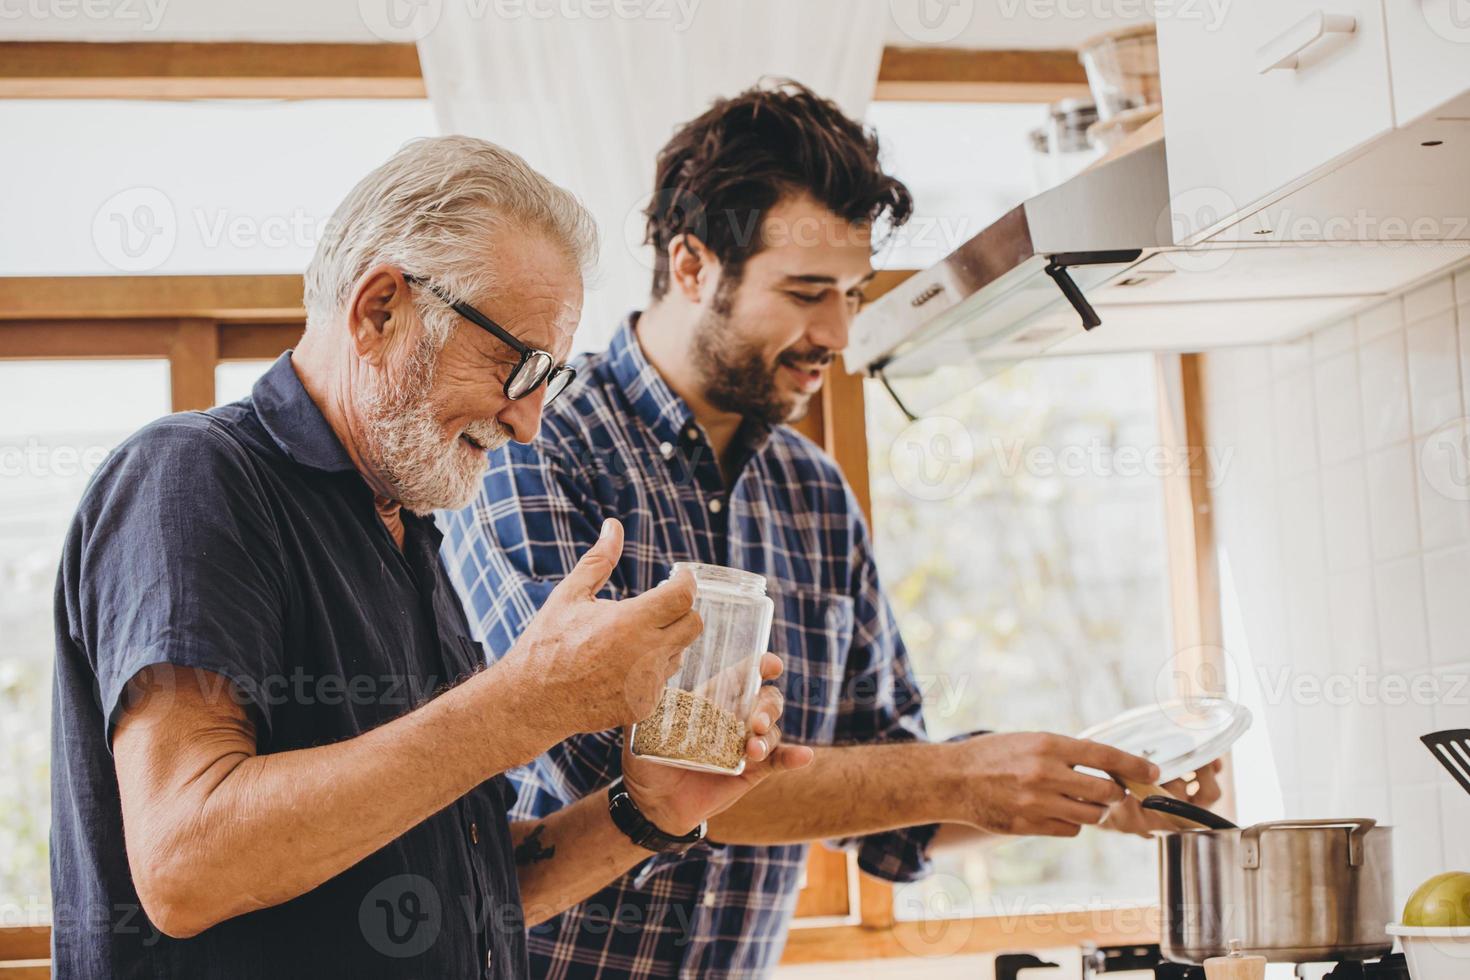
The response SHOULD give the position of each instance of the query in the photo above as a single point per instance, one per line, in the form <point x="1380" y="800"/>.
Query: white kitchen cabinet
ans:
<point x="1266" y="99"/>
<point x="1429" y="54"/>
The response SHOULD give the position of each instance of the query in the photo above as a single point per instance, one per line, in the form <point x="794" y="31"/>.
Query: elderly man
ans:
<point x="276" y="753"/>
<point x="762" y="235"/>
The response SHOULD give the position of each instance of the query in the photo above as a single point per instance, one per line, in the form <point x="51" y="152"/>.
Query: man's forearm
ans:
<point x="847" y="791"/>
<point x="562" y="859"/>
<point x="251" y="831"/>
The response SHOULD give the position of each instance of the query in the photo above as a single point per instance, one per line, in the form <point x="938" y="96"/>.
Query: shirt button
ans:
<point x="691" y="433"/>
<point x="715" y="506"/>
<point x="665" y="449"/>
<point x="709" y="900"/>
<point x="474" y="833"/>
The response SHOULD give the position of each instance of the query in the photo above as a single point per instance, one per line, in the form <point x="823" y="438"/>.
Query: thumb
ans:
<point x="596" y="565"/>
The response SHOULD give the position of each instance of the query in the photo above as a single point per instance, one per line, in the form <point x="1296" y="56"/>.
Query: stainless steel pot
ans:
<point x="1293" y="891"/>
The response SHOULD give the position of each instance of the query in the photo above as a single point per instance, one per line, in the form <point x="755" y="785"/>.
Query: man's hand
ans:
<point x="592" y="664"/>
<point x="1027" y="783"/>
<point x="1127" y="817"/>
<point x="677" y="800"/>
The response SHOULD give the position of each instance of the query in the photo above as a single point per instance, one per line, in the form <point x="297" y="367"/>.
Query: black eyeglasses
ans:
<point x="534" y="367"/>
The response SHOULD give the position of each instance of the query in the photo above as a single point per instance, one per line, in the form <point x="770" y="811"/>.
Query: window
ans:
<point x="966" y="165"/>
<point x="58" y="420"/>
<point x="107" y="188"/>
<point x="233" y="380"/>
<point x="1021" y="535"/>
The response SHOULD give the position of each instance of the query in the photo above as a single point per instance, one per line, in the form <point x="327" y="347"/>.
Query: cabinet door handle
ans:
<point x="1283" y="52"/>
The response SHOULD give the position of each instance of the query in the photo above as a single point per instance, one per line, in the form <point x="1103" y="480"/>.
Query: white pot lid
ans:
<point x="1178" y="736"/>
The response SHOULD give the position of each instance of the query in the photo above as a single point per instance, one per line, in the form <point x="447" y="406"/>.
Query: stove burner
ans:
<point x="1389" y="968"/>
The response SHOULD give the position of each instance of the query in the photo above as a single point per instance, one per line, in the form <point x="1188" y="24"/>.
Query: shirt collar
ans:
<point x="666" y="414"/>
<point x="653" y="401"/>
<point x="294" y="421"/>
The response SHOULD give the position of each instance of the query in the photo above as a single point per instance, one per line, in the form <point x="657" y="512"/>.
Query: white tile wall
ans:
<point x="1345" y="518"/>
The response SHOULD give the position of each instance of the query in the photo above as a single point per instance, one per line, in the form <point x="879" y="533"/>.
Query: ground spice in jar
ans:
<point x="690" y="728"/>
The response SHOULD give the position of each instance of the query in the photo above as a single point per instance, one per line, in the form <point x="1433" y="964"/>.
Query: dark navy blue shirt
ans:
<point x="244" y="543"/>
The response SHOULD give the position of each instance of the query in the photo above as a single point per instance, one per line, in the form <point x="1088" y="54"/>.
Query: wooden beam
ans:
<point x="1199" y="662"/>
<point x="54" y="339"/>
<point x="25" y="943"/>
<point x="960" y="75"/>
<point x="257" y="341"/>
<point x="253" y="298"/>
<point x="191" y="362"/>
<point x="208" y="70"/>
<point x="252" y="70"/>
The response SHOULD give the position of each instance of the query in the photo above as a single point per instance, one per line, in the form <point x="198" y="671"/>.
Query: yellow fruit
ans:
<point x="1441" y="902"/>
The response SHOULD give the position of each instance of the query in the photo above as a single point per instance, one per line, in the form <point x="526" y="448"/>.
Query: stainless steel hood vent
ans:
<point x="1092" y="266"/>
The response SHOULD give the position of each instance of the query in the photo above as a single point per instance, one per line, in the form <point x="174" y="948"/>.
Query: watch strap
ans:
<point x="640" y="830"/>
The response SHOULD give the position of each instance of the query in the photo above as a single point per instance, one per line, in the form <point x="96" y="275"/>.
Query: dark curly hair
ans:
<point x="721" y="172"/>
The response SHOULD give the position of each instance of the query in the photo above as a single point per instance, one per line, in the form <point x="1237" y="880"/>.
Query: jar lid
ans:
<point x="1178" y="736"/>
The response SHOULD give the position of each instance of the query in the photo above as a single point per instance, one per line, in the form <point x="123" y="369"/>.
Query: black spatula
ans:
<point x="1452" y="749"/>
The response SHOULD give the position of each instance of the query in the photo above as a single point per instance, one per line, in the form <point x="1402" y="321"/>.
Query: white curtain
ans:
<point x="589" y="90"/>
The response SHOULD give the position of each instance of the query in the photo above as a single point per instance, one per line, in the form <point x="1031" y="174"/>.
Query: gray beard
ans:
<point x="407" y="446"/>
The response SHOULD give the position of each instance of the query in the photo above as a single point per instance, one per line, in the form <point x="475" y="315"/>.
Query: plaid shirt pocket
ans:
<point x="811" y="631"/>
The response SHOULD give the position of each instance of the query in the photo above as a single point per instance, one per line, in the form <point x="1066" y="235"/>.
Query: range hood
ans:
<point x="1092" y="266"/>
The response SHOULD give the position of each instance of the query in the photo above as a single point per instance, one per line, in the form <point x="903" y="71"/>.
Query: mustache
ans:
<point x="491" y="434"/>
<point x="814" y="359"/>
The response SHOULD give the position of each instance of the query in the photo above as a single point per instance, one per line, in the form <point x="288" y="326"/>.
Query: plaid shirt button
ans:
<point x="715" y="506"/>
<point x="666" y="449"/>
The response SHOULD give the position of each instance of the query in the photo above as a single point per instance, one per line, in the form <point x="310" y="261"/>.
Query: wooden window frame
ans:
<point x="255" y="70"/>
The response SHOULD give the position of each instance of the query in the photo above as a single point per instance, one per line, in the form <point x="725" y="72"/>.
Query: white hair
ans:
<point x="432" y="210"/>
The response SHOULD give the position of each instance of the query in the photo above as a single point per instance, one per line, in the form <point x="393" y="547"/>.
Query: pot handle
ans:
<point x="1250" y="838"/>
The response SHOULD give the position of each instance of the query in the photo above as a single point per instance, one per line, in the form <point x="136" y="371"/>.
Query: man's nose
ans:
<point x="831" y="327"/>
<point x="523" y="416"/>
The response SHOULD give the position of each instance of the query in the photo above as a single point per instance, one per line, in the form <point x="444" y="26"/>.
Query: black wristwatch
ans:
<point x="640" y="830"/>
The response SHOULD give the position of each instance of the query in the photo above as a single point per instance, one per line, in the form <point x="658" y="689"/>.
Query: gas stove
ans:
<point x="1146" y="961"/>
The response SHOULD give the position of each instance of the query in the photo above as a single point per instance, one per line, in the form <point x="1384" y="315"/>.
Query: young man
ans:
<point x="762" y="228"/>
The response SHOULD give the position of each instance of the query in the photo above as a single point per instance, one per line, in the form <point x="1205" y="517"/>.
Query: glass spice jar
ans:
<point x="700" y="719"/>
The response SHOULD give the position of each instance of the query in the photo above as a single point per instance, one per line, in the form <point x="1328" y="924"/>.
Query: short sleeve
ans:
<point x="174" y="558"/>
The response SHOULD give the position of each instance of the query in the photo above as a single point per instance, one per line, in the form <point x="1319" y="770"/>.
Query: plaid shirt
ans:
<point x="619" y="443"/>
